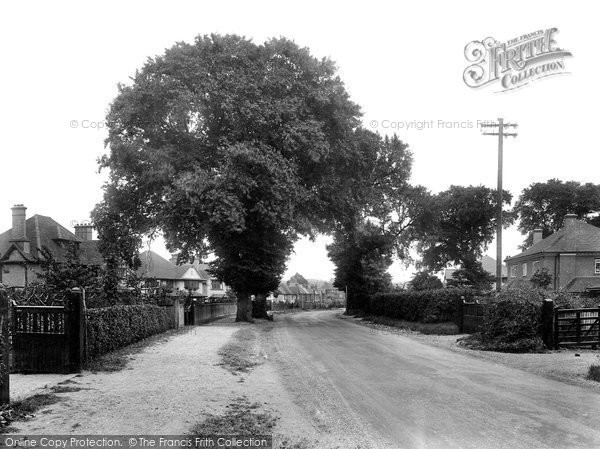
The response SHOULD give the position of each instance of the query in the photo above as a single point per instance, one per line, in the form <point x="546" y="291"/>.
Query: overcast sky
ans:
<point x="401" y="61"/>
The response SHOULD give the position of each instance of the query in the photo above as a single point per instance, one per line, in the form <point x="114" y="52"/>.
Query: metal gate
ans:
<point x="577" y="327"/>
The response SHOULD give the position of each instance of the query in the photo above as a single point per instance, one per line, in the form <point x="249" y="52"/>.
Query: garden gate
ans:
<point x="49" y="339"/>
<point x="577" y="327"/>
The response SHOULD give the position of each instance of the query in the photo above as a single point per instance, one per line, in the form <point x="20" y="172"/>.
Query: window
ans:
<point x="597" y="266"/>
<point x="524" y="269"/>
<point x="215" y="285"/>
<point x="535" y="266"/>
<point x="513" y="271"/>
<point x="191" y="285"/>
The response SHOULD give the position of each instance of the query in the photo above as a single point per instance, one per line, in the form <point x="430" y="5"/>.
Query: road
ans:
<point x="381" y="390"/>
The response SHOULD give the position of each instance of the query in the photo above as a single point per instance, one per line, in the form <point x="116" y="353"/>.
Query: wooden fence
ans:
<point x="199" y="313"/>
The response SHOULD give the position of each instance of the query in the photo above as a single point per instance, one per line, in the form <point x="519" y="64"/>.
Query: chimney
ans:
<point x="84" y="231"/>
<point x="18" y="232"/>
<point x="537" y="236"/>
<point x="569" y="220"/>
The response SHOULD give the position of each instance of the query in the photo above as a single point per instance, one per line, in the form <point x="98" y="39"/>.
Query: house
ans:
<point x="181" y="279"/>
<point x="21" y="246"/>
<point x="571" y="255"/>
<point x="489" y="265"/>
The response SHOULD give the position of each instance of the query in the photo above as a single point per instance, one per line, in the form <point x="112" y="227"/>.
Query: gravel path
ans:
<point x="166" y="389"/>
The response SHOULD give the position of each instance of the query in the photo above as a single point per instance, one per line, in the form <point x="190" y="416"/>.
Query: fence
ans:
<point x="199" y="313"/>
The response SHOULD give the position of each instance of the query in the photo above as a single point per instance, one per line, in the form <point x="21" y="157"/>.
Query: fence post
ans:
<point x="556" y="329"/>
<point x="548" y="323"/>
<point x="5" y="348"/>
<point x="460" y="314"/>
<point x="75" y="329"/>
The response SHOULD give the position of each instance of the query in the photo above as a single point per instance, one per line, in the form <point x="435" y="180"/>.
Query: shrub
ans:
<point x="512" y="321"/>
<point x="428" y="306"/>
<point x="594" y="373"/>
<point x="110" y="328"/>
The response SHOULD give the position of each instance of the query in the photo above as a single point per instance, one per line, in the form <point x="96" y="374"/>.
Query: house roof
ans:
<point x="45" y="232"/>
<point x="156" y="266"/>
<point x="488" y="263"/>
<point x="292" y="289"/>
<point x="583" y="283"/>
<point x="576" y="237"/>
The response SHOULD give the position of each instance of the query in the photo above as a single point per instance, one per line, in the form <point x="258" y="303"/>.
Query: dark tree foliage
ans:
<point x="59" y="276"/>
<point x="378" y="220"/>
<point x="543" y="205"/>
<point x="362" y="257"/>
<point x="463" y="223"/>
<point x="233" y="148"/>
<point x="473" y="277"/>
<point x="425" y="281"/>
<point x="541" y="278"/>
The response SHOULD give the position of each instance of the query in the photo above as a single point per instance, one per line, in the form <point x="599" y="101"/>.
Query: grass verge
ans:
<point x="413" y="326"/>
<point x="24" y="409"/>
<point x="238" y="355"/>
<point x="119" y="359"/>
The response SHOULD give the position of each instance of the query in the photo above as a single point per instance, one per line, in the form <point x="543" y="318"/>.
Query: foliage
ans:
<point x="362" y="257"/>
<point x="425" y="281"/>
<point x="541" y="278"/>
<point x="594" y="373"/>
<point x="428" y="306"/>
<point x="231" y="147"/>
<point x="543" y="205"/>
<point x="475" y="277"/>
<point x="59" y="276"/>
<point x="568" y="300"/>
<point x="110" y="328"/>
<point x="463" y="224"/>
<point x="512" y="321"/>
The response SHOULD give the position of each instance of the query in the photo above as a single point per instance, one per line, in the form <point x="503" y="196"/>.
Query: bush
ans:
<point x="427" y="306"/>
<point x="110" y="328"/>
<point x="512" y="321"/>
<point x="594" y="373"/>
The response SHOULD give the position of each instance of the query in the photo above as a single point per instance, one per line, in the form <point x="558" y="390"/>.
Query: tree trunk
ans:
<point x="244" y="307"/>
<point x="259" y="307"/>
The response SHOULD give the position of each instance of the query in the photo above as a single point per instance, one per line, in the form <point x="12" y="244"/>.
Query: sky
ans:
<point x="401" y="62"/>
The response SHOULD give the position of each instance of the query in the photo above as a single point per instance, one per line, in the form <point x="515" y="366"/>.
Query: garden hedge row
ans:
<point x="427" y="306"/>
<point x="110" y="328"/>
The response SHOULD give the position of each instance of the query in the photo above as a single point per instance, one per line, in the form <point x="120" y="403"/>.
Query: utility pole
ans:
<point x="501" y="135"/>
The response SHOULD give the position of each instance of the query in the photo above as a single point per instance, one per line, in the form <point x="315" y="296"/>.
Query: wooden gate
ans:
<point x="576" y="327"/>
<point x="48" y="339"/>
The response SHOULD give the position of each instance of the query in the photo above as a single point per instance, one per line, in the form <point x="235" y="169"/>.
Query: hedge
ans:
<point x="110" y="328"/>
<point x="427" y="306"/>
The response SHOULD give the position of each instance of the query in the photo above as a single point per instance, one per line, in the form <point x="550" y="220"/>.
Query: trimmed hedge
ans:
<point x="427" y="306"/>
<point x="110" y="328"/>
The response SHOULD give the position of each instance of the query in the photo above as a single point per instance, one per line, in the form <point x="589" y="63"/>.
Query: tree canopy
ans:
<point x="235" y="148"/>
<point x="462" y="225"/>
<point x="543" y="205"/>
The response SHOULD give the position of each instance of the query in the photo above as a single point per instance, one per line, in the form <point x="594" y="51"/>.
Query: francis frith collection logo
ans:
<point x="514" y="63"/>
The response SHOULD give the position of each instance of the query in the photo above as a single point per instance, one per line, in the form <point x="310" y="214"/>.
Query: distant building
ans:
<point x="21" y="246"/>
<point x="489" y="265"/>
<point x="181" y="279"/>
<point x="571" y="255"/>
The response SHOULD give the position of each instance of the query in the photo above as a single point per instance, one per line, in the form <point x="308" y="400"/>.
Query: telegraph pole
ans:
<point x="501" y="135"/>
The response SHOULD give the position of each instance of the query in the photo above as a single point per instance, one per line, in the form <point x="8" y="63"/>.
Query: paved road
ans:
<point x="391" y="391"/>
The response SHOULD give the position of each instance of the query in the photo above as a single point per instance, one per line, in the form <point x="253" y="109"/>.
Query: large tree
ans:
<point x="233" y="148"/>
<point x="378" y="220"/>
<point x="543" y="205"/>
<point x="463" y="223"/>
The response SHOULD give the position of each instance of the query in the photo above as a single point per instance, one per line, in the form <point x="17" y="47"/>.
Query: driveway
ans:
<point x="391" y="391"/>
